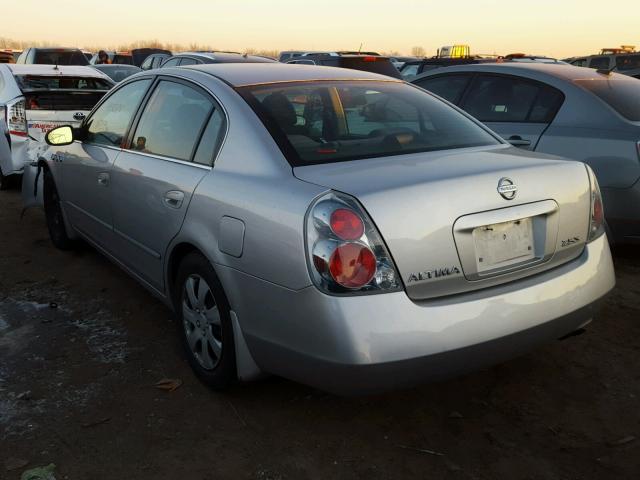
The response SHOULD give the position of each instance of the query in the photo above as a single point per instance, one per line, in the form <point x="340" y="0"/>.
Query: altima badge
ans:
<point x="507" y="188"/>
<point x="431" y="274"/>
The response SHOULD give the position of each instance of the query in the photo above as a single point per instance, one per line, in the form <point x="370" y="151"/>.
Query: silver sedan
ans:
<point x="574" y="112"/>
<point x="339" y="228"/>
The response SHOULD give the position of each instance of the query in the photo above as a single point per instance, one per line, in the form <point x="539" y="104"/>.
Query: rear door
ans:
<point x="86" y="165"/>
<point x="154" y="178"/>
<point x="518" y="109"/>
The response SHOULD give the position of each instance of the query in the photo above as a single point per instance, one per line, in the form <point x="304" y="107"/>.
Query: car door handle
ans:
<point x="518" y="141"/>
<point x="174" y="198"/>
<point x="103" y="179"/>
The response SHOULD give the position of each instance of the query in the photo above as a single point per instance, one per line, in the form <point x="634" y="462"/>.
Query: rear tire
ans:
<point x="204" y="322"/>
<point x="53" y="214"/>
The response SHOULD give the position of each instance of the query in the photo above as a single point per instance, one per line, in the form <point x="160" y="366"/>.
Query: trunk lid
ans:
<point x="449" y="229"/>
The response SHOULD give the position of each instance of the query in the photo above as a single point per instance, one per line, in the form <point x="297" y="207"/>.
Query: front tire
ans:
<point x="53" y="214"/>
<point x="204" y="322"/>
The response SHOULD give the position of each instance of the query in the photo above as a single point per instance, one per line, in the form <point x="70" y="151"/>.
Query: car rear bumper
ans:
<point x="367" y="344"/>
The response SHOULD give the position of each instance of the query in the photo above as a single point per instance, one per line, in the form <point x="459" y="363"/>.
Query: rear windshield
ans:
<point x="40" y="82"/>
<point x="628" y="62"/>
<point x="622" y="94"/>
<point x="324" y="122"/>
<point x="60" y="57"/>
<point x="122" y="59"/>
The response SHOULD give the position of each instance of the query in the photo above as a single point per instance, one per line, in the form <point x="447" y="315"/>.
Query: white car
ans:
<point x="36" y="98"/>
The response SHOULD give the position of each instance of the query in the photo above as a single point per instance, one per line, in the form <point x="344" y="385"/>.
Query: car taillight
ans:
<point x="346" y="253"/>
<point x="17" y="118"/>
<point x="596" y="221"/>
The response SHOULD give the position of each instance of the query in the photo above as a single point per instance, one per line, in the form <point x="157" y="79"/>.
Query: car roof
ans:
<point x="560" y="71"/>
<point x="223" y="57"/>
<point x="62" y="70"/>
<point x="239" y="74"/>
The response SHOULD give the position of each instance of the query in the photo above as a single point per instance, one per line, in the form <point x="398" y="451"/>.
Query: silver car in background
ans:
<point x="339" y="228"/>
<point x="572" y="112"/>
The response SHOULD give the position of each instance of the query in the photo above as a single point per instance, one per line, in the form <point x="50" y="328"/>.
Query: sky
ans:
<point x="559" y="28"/>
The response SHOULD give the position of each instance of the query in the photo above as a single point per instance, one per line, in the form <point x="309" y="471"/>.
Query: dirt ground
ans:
<point x="82" y="345"/>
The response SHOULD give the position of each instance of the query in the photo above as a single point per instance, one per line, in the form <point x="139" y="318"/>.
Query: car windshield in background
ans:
<point x="60" y="57"/>
<point x="628" y="62"/>
<point x="622" y="94"/>
<point x="38" y="82"/>
<point x="330" y="121"/>
<point x="117" y="73"/>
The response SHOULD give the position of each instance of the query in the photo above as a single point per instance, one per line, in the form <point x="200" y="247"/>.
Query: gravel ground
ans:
<point x="82" y="346"/>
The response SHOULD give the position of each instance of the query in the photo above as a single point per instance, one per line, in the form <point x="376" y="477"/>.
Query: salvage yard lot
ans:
<point x="82" y="346"/>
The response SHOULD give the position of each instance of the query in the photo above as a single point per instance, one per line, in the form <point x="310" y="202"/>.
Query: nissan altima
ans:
<point x="339" y="228"/>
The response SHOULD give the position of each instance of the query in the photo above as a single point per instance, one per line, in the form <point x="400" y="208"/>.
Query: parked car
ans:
<point x="624" y="60"/>
<point x="52" y="56"/>
<point x="6" y="57"/>
<point x="200" y="58"/>
<point x="524" y="58"/>
<point x="88" y="55"/>
<point x="398" y="62"/>
<point x="37" y="98"/>
<point x="367" y="63"/>
<point x="117" y="73"/>
<point x="289" y="55"/>
<point x="154" y="61"/>
<point x="136" y="56"/>
<point x="411" y="70"/>
<point x="338" y="228"/>
<point x="562" y="110"/>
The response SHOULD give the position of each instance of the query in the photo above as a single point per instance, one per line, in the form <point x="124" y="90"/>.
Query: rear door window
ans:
<point x="449" y="87"/>
<point x="600" y="62"/>
<point x="511" y="99"/>
<point x="211" y="139"/>
<point x="109" y="123"/>
<point x="628" y="62"/>
<point x="172" y="121"/>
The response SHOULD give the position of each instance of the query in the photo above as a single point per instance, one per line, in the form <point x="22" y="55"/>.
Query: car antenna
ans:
<point x="55" y="67"/>
<point x="360" y="49"/>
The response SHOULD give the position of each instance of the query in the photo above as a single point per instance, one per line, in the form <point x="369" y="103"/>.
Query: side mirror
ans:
<point x="60" y="136"/>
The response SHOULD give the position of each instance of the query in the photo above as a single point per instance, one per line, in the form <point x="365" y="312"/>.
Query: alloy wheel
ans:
<point x="201" y="322"/>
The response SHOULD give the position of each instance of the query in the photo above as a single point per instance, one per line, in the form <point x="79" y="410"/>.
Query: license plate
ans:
<point x="503" y="244"/>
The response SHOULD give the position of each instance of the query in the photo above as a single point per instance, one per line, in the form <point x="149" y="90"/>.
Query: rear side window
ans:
<point x="600" y="62"/>
<point x="511" y="99"/>
<point x="449" y="87"/>
<point x="109" y="123"/>
<point x="172" y="63"/>
<point x="188" y="61"/>
<point x="373" y="64"/>
<point x="172" y="121"/>
<point x="628" y="62"/>
<point x="60" y="57"/>
<point x="324" y="122"/>
<point x="620" y="93"/>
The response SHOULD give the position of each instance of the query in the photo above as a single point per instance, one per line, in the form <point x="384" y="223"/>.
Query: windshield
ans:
<point x="330" y="121"/>
<point x="40" y="82"/>
<point x="621" y="94"/>
<point x="60" y="57"/>
<point x="628" y="62"/>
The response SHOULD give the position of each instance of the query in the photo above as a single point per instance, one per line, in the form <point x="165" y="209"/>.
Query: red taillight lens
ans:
<point x="370" y="59"/>
<point x="346" y="224"/>
<point x="352" y="265"/>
